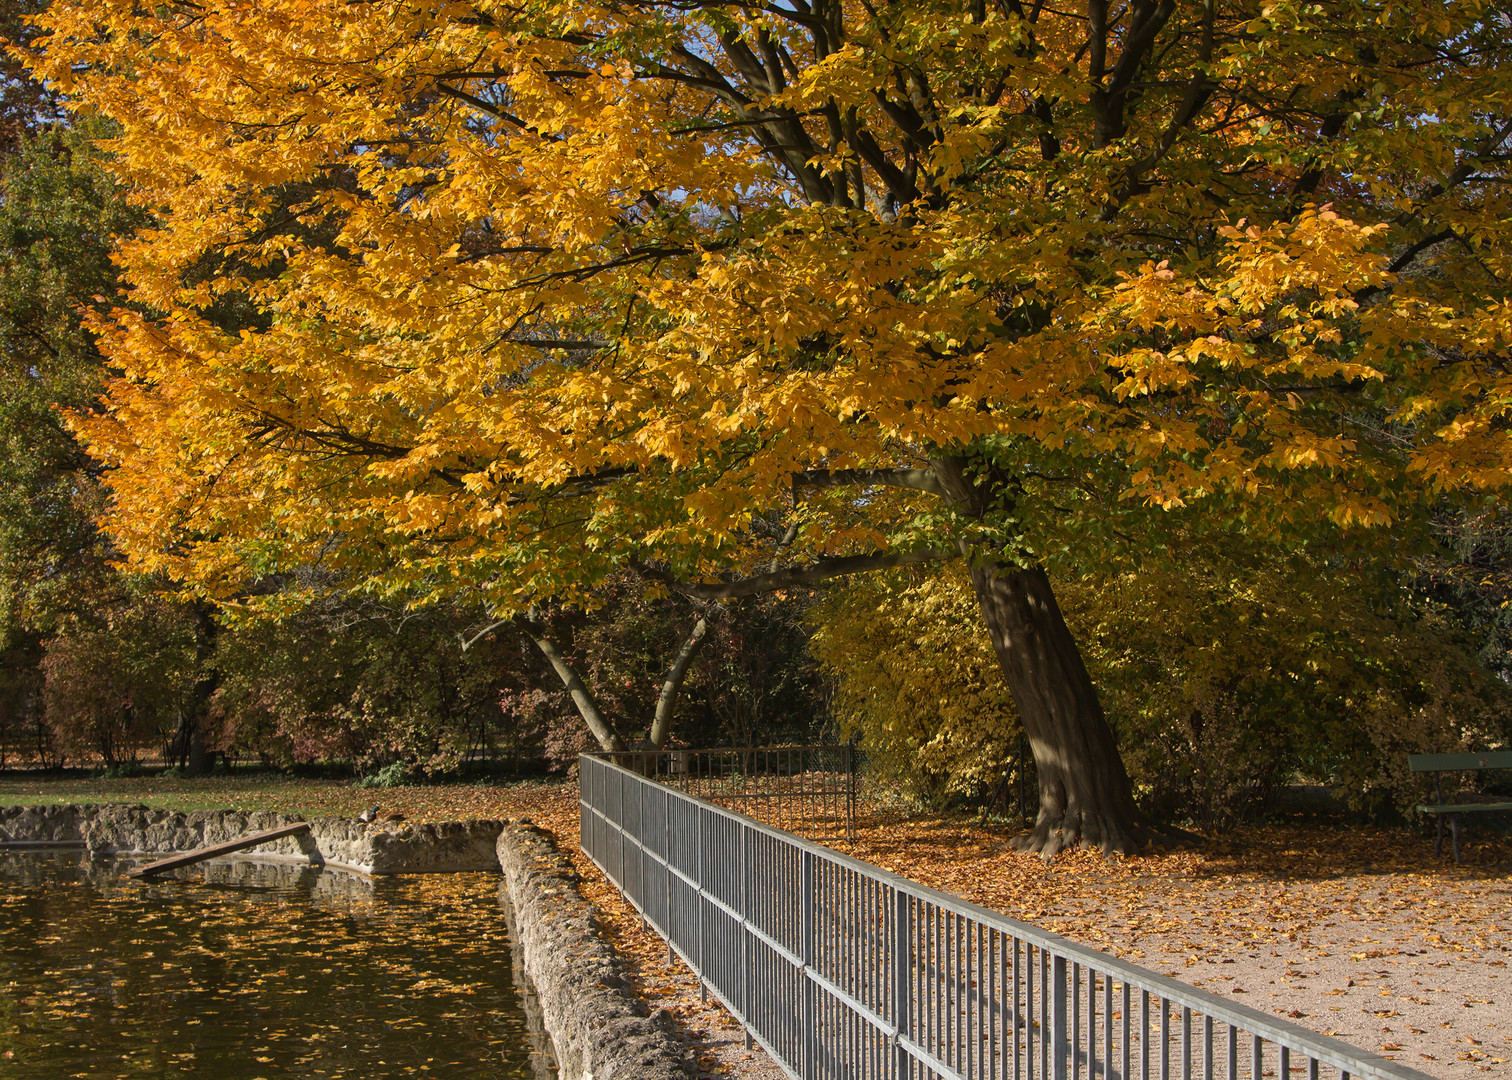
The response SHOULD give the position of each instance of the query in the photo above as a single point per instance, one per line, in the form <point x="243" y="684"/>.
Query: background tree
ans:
<point x="546" y="292"/>
<point x="25" y="104"/>
<point x="704" y="674"/>
<point x="60" y="212"/>
<point x="374" y="687"/>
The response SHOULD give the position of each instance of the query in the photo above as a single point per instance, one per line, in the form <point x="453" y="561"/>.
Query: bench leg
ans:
<point x="1438" y="835"/>
<point x="1454" y="831"/>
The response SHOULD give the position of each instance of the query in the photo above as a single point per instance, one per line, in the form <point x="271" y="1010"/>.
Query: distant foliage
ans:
<point x="371" y="691"/>
<point x="1222" y="680"/>
<point x="1469" y="573"/>
<point x="118" y="687"/>
<point x="752" y="680"/>
<point x="393" y="775"/>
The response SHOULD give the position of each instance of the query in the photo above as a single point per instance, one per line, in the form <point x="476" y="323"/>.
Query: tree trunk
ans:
<point x="582" y="697"/>
<point x="661" y="723"/>
<point x="1085" y="796"/>
<point x="195" y="760"/>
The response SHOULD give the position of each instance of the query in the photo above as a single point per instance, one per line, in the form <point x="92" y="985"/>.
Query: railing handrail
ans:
<point x="1355" y="1061"/>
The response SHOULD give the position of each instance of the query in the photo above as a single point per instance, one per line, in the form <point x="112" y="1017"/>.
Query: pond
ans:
<point x="239" y="970"/>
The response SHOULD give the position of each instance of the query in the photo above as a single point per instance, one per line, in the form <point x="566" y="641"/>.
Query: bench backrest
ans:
<point x="1491" y="759"/>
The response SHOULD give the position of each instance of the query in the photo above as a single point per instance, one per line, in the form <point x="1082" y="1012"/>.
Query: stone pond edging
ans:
<point x="600" y="1030"/>
<point x="115" y="829"/>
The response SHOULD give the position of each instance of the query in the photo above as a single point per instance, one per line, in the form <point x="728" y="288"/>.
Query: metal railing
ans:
<point x="809" y="790"/>
<point x="840" y="969"/>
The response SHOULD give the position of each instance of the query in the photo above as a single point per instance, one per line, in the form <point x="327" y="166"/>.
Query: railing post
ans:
<point x="806" y="954"/>
<point x="698" y="898"/>
<point x="745" y="934"/>
<point x="667" y="872"/>
<point x="1060" y="1044"/>
<point x="902" y="982"/>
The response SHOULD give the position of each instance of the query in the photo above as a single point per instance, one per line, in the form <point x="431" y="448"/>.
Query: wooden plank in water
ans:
<point x="189" y="858"/>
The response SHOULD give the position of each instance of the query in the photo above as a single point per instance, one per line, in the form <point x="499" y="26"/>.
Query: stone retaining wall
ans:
<point x="373" y="849"/>
<point x="600" y="1030"/>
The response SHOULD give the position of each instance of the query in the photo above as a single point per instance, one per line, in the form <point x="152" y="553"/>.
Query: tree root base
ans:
<point x="1052" y="835"/>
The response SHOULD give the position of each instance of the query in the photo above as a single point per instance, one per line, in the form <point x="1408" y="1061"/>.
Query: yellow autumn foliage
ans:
<point x="499" y="297"/>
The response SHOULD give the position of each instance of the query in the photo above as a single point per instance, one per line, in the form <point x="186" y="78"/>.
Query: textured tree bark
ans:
<point x="1085" y="795"/>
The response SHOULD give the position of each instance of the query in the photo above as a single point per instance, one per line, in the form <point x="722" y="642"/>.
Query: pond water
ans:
<point x="244" y="970"/>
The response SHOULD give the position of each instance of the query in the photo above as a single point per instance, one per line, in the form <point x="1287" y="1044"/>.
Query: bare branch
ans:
<point x="469" y="642"/>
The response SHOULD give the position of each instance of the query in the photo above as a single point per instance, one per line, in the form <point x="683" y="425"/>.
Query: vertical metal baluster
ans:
<point x="1186" y="1043"/>
<point x="947" y="1049"/>
<point x="874" y="922"/>
<point x="1283" y="1067"/>
<point x="1207" y="1048"/>
<point x="698" y="898"/>
<point x="994" y="1005"/>
<point x="1108" y="1026"/>
<point x="1061" y="1047"/>
<point x="640" y="855"/>
<point x="1165" y="1039"/>
<point x="1257" y="1058"/>
<point x="1312" y="1068"/>
<point x="1075" y="1038"/>
<point x="1026" y="1018"/>
<point x="667" y="873"/>
<point x="973" y="989"/>
<point x="902" y="990"/>
<point x="1014" y="1021"/>
<point x="1144" y="1035"/>
<point x="745" y="930"/>
<point x="960" y="989"/>
<point x="1045" y="1040"/>
<point x="1095" y="1061"/>
<point x="806" y="939"/>
<point x="1092" y="1047"/>
<point x="1127" y="1002"/>
<point x="1233" y="1053"/>
<point x="937" y="982"/>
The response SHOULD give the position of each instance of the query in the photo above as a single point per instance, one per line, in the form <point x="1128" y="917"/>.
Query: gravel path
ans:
<point x="1425" y="983"/>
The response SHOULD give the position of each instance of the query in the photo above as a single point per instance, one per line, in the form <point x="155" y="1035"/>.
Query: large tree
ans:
<point x="783" y="291"/>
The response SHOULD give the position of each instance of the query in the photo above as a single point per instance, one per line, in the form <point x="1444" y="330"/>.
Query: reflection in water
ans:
<point x="239" y="970"/>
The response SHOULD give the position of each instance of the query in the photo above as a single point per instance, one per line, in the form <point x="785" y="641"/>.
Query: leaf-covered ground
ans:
<point x="1354" y="931"/>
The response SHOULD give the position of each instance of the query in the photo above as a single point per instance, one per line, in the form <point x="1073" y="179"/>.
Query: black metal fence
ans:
<point x="808" y="790"/>
<point x="843" y="970"/>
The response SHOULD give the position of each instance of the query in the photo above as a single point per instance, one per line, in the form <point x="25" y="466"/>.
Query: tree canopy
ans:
<point x="501" y="298"/>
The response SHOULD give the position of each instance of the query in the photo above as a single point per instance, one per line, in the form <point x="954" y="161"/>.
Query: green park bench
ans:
<point x="1442" y="763"/>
